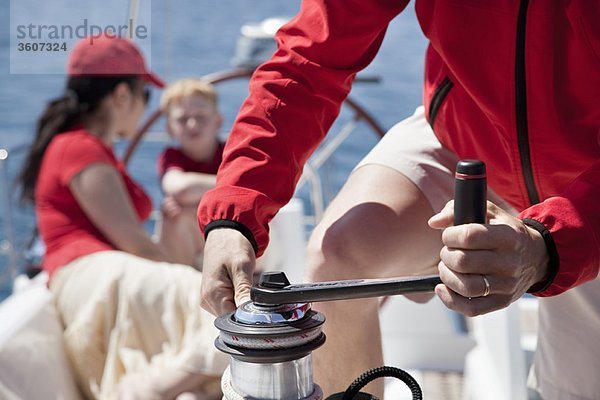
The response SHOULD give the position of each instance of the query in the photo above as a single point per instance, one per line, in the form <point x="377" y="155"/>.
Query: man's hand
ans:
<point x="507" y="253"/>
<point x="229" y="262"/>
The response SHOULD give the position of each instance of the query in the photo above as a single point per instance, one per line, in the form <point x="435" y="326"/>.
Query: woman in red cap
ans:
<point x="133" y="326"/>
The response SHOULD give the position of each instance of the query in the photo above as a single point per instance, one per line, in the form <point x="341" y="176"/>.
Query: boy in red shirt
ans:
<point x="189" y="169"/>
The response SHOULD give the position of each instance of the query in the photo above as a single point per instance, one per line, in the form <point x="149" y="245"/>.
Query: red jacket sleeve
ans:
<point x="294" y="98"/>
<point x="573" y="220"/>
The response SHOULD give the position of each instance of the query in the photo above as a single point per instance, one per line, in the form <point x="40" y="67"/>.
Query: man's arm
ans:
<point x="571" y="223"/>
<point x="294" y="99"/>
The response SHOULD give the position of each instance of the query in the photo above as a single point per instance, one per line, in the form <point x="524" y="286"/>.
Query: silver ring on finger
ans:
<point x="488" y="287"/>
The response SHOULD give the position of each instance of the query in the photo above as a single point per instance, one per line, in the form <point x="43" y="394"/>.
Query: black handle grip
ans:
<point x="470" y="192"/>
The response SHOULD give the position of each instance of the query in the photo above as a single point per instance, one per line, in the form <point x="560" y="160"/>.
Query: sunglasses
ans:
<point x="146" y="95"/>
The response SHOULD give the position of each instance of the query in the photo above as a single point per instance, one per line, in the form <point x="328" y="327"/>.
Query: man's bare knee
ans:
<point x="331" y="255"/>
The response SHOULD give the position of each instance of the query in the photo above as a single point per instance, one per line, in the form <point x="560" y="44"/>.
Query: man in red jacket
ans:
<point x="513" y="83"/>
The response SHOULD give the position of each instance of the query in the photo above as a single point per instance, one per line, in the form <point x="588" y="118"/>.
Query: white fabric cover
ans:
<point x="33" y="364"/>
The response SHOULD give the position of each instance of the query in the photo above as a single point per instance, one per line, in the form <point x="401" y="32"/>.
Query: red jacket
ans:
<point x="513" y="83"/>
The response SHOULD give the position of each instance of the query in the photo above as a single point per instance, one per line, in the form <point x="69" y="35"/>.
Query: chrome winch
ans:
<point x="270" y="348"/>
<point x="271" y="337"/>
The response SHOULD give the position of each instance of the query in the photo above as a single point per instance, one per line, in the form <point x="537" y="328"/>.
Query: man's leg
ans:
<point x="376" y="227"/>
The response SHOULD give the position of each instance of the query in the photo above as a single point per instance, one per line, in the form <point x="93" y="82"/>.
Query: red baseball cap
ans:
<point x="107" y="55"/>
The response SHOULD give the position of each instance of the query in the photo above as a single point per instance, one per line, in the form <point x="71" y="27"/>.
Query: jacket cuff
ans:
<point x="226" y="223"/>
<point x="553" y="263"/>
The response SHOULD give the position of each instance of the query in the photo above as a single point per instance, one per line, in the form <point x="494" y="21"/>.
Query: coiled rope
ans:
<point x="271" y="343"/>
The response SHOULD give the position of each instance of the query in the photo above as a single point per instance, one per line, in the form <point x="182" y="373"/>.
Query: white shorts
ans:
<point x="411" y="148"/>
<point x="567" y="359"/>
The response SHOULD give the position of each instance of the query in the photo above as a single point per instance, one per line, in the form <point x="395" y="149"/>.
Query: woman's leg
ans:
<point x="376" y="227"/>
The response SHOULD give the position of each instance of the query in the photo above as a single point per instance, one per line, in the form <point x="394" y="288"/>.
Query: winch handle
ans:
<point x="470" y="192"/>
<point x="267" y="293"/>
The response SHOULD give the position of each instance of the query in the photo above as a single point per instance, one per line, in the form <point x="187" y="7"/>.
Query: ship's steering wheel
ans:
<point x="360" y="114"/>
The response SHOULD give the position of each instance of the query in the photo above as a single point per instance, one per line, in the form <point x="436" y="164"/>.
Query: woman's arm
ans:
<point x="101" y="193"/>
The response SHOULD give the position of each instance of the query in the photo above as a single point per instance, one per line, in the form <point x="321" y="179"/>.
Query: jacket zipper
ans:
<point x="438" y="98"/>
<point x="521" y="105"/>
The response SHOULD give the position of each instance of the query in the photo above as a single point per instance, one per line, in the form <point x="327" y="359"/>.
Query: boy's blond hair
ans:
<point x="185" y="88"/>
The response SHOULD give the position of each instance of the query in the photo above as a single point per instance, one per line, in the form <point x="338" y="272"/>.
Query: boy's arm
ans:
<point x="187" y="188"/>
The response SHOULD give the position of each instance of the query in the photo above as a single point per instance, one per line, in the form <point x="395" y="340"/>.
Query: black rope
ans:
<point x="381" y="372"/>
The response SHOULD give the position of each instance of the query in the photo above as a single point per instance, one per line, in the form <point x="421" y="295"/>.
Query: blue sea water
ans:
<point x="188" y="38"/>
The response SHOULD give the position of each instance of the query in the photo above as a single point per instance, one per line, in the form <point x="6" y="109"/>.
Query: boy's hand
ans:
<point x="170" y="207"/>
<point x="229" y="262"/>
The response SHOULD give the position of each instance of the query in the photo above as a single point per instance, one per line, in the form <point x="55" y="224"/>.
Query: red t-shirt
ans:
<point x="64" y="227"/>
<point x="173" y="158"/>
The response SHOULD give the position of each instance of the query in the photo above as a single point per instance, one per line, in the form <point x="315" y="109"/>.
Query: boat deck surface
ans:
<point x="442" y="385"/>
<point x="435" y="385"/>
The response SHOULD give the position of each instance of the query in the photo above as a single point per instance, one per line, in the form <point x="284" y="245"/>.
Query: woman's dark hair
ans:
<point x="82" y="97"/>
